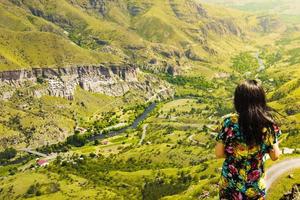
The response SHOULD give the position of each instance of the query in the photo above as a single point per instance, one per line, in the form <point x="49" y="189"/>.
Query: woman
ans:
<point x="244" y="139"/>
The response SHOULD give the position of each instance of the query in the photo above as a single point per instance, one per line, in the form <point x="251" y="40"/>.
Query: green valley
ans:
<point x="122" y="99"/>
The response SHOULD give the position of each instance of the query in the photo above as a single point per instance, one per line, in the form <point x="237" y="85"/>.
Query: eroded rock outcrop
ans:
<point x="222" y="27"/>
<point x="268" y="23"/>
<point x="113" y="80"/>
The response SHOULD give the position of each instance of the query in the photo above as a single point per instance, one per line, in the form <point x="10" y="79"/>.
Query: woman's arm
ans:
<point x="220" y="150"/>
<point x="274" y="152"/>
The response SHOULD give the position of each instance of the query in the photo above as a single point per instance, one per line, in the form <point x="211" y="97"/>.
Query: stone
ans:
<point x="291" y="176"/>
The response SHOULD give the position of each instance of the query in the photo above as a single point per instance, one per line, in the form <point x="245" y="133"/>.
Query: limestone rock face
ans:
<point x="222" y="27"/>
<point x="268" y="24"/>
<point x="111" y="80"/>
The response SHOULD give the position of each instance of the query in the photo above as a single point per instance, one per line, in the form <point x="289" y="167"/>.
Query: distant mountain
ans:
<point x="153" y="34"/>
<point x="287" y="9"/>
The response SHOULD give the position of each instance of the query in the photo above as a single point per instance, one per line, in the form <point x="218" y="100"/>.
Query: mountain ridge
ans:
<point x="100" y="31"/>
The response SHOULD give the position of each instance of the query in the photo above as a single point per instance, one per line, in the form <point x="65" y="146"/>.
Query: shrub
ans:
<point x="33" y="190"/>
<point x="8" y="154"/>
<point x="96" y="142"/>
<point x="92" y="155"/>
<point x="244" y="62"/>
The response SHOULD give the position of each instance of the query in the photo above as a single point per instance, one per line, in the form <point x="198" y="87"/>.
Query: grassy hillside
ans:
<point x="176" y="33"/>
<point x="169" y="155"/>
<point x="35" y="49"/>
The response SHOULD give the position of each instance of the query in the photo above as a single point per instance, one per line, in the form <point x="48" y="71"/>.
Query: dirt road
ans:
<point x="280" y="168"/>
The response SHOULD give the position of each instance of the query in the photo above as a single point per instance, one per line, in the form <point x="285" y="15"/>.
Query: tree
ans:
<point x="96" y="142"/>
<point x="8" y="154"/>
<point x="244" y="62"/>
<point x="76" y="140"/>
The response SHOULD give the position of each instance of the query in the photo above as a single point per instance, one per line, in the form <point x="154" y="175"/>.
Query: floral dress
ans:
<point x="243" y="174"/>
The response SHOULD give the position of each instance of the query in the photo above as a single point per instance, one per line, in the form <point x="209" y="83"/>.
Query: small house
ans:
<point x="42" y="162"/>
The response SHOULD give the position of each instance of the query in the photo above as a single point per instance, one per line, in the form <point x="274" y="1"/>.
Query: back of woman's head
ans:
<point x="254" y="114"/>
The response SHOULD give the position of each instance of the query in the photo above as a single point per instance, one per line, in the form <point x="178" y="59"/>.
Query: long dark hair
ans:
<point x="254" y="113"/>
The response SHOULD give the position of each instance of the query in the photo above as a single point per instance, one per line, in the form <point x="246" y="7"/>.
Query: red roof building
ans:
<point x="42" y="162"/>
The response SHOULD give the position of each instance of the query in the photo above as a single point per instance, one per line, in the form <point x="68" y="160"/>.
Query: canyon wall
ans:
<point x="112" y="80"/>
<point x="17" y="131"/>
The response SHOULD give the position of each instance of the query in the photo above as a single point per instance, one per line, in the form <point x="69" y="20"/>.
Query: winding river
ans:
<point x="134" y="125"/>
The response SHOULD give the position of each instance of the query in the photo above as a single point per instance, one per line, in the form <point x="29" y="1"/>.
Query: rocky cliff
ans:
<point x="27" y="121"/>
<point x="112" y="80"/>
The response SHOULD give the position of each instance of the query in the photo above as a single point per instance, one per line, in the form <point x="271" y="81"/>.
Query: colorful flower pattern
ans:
<point x="242" y="176"/>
